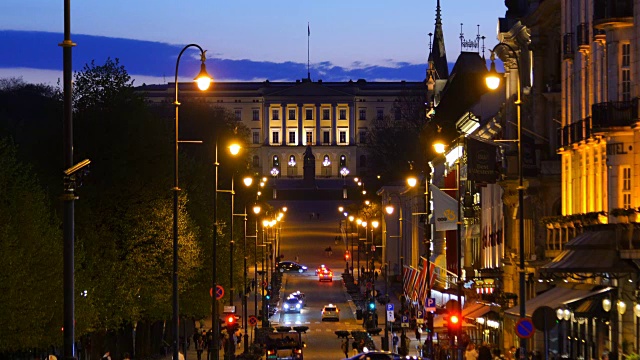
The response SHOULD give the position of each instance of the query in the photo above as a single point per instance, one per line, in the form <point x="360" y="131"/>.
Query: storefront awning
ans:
<point x="472" y="311"/>
<point x="558" y="296"/>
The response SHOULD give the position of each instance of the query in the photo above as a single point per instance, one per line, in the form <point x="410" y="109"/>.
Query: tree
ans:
<point x="395" y="141"/>
<point x="31" y="257"/>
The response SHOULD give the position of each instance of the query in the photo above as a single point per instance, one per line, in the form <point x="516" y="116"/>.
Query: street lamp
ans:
<point x="344" y="172"/>
<point x="493" y="81"/>
<point x="274" y="173"/>
<point x="351" y="219"/>
<point x="233" y="149"/>
<point x="439" y="146"/>
<point x="256" y="211"/>
<point x="203" y="80"/>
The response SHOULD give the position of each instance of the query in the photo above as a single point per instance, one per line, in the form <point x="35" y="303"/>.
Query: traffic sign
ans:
<point x="389" y="307"/>
<point x="420" y="317"/>
<point x="431" y="304"/>
<point x="391" y="316"/>
<point x="405" y="321"/>
<point x="219" y="292"/>
<point x="524" y="328"/>
<point x="253" y="321"/>
<point x="229" y="309"/>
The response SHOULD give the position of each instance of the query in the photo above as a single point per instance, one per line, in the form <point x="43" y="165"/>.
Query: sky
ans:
<point x="246" y="40"/>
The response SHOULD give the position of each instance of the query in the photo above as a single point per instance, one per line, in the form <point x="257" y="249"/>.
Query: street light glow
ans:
<point x="375" y="224"/>
<point x="389" y="209"/>
<point x="256" y="209"/>
<point x="248" y="180"/>
<point x="234" y="149"/>
<point x="203" y="79"/>
<point x="492" y="79"/>
<point x="412" y="181"/>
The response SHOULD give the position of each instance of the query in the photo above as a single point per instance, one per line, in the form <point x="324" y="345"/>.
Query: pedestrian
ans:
<point x="484" y="353"/>
<point x="417" y="333"/>
<point x="375" y="275"/>
<point x="199" y="346"/>
<point x="395" y="341"/>
<point x="471" y="353"/>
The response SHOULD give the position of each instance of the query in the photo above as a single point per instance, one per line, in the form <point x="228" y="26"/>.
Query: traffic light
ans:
<point x="372" y="305"/>
<point x="454" y="322"/>
<point x="429" y="322"/>
<point x="347" y="256"/>
<point x="230" y="321"/>
<point x="268" y="295"/>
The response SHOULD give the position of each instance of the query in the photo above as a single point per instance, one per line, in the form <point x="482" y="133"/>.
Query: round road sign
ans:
<point x="253" y="321"/>
<point x="524" y="328"/>
<point x="219" y="292"/>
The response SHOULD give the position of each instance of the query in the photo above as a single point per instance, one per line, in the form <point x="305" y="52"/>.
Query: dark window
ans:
<point x="292" y="114"/>
<point x="363" y="137"/>
<point x="363" y="114"/>
<point x="238" y="114"/>
<point x="275" y="114"/>
<point x="325" y="137"/>
<point x="398" y="114"/>
<point x="256" y="161"/>
<point x="379" y="114"/>
<point x="275" y="137"/>
<point x="325" y="114"/>
<point x="292" y="137"/>
<point x="256" y="114"/>
<point x="256" y="137"/>
<point x="343" y="114"/>
<point x="309" y="114"/>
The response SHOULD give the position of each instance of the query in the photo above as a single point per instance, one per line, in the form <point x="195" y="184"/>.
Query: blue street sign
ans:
<point x="431" y="304"/>
<point x="405" y="321"/>
<point x="389" y="307"/>
<point x="524" y="328"/>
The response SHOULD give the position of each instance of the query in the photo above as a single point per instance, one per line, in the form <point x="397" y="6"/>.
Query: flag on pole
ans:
<point x="445" y="209"/>
<point x="308" y="30"/>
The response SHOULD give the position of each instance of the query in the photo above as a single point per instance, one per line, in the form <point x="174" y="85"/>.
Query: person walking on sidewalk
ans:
<point x="418" y="333"/>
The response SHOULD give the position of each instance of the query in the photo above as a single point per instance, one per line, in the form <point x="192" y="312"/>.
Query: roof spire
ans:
<point x="438" y="55"/>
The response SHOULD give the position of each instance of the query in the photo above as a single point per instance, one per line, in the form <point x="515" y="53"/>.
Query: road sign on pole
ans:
<point x="253" y="321"/>
<point x="431" y="304"/>
<point x="219" y="292"/>
<point x="420" y="317"/>
<point x="405" y="321"/>
<point x="390" y="315"/>
<point x="524" y="328"/>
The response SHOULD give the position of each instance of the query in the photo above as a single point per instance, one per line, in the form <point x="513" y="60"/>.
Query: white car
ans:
<point x="330" y="312"/>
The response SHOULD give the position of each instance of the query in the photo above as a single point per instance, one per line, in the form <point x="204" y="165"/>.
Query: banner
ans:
<point x="481" y="161"/>
<point x="445" y="209"/>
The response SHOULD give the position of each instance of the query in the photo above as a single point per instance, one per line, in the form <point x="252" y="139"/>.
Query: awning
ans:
<point x="592" y="252"/>
<point x="472" y="311"/>
<point x="557" y="297"/>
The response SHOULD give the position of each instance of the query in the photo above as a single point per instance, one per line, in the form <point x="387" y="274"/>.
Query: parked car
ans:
<point x="291" y="266"/>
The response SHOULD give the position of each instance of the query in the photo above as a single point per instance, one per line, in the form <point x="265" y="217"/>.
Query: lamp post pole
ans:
<point x="427" y="236"/>
<point x="176" y="190"/>
<point x="521" y="242"/>
<point x="245" y="311"/>
<point x="68" y="195"/>
<point x="459" y="261"/>
<point x="214" y="285"/>
<point x="231" y="243"/>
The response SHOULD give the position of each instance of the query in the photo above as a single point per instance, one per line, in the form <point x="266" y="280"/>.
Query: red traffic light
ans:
<point x="454" y="320"/>
<point x="346" y="255"/>
<point x="231" y="320"/>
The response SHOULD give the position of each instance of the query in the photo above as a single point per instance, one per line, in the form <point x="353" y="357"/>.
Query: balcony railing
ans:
<point x="614" y="113"/>
<point x="609" y="12"/>
<point x="575" y="132"/>
<point x="583" y="35"/>
<point x="567" y="46"/>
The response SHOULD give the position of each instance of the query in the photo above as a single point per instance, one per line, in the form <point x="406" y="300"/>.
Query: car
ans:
<point x="291" y="304"/>
<point x="379" y="355"/>
<point x="320" y="269"/>
<point x="291" y="266"/>
<point x="300" y="296"/>
<point x="330" y="312"/>
<point x="325" y="275"/>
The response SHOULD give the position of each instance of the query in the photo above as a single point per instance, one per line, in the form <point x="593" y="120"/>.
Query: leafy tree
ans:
<point x="393" y="143"/>
<point x="31" y="257"/>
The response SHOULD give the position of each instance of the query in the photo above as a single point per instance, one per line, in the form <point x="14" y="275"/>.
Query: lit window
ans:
<point x="626" y="186"/>
<point x="343" y="137"/>
<point x="309" y="137"/>
<point x="626" y="73"/>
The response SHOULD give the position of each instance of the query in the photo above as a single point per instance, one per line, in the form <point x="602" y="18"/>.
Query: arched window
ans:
<point x="326" y="162"/>
<point x="256" y="161"/>
<point x="292" y="160"/>
<point x="343" y="161"/>
<point x="363" y="161"/>
<point x="276" y="162"/>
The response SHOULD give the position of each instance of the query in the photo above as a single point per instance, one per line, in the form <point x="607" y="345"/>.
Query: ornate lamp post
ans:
<point x="203" y="80"/>
<point x="493" y="81"/>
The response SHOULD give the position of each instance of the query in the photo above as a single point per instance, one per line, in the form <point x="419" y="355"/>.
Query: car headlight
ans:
<point x="297" y="306"/>
<point x="286" y="306"/>
<point x="304" y="268"/>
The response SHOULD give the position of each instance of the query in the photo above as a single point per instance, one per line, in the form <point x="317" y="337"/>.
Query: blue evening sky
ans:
<point x="247" y="40"/>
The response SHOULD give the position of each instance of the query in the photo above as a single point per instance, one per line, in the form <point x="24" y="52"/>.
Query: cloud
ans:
<point x="37" y="52"/>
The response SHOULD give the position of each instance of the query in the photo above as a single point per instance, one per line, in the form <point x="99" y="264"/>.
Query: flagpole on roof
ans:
<point x="308" y="36"/>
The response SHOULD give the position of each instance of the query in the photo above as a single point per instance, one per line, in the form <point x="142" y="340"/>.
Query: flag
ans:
<point x="422" y="280"/>
<point x="445" y="209"/>
<point x="308" y="30"/>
